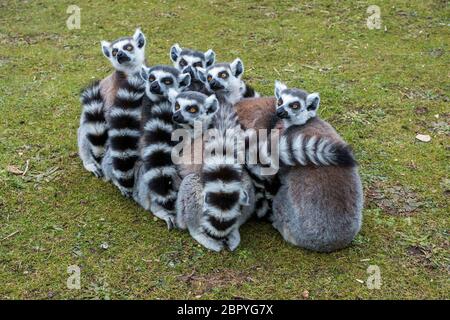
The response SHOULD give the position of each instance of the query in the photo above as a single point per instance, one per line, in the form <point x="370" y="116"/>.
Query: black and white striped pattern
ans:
<point x="249" y="92"/>
<point x="266" y="187"/>
<point x="310" y="150"/>
<point x="124" y="132"/>
<point x="222" y="178"/>
<point x="156" y="147"/>
<point x="93" y="126"/>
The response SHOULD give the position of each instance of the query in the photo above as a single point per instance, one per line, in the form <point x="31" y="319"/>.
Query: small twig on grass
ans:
<point x="10" y="235"/>
<point x="27" y="165"/>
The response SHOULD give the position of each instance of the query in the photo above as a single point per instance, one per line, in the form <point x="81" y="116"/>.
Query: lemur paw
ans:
<point x="95" y="169"/>
<point x="127" y="193"/>
<point x="168" y="217"/>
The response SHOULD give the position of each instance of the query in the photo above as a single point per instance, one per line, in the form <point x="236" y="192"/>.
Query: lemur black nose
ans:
<point x="122" y="57"/>
<point x="155" y="88"/>
<point x="177" y="117"/>
<point x="215" y="85"/>
<point x="281" y="113"/>
<point x="189" y="70"/>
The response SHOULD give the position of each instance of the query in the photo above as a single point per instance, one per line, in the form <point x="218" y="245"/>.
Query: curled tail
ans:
<point x="161" y="173"/>
<point x="223" y="186"/>
<point x="124" y="133"/>
<point x="320" y="151"/>
<point x="311" y="150"/>
<point x="93" y="120"/>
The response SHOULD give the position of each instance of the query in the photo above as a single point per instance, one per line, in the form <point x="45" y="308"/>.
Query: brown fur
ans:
<point x="109" y="87"/>
<point x="319" y="208"/>
<point x="256" y="113"/>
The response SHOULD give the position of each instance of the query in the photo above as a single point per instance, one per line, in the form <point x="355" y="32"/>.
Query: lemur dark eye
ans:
<point x="128" y="47"/>
<point x="209" y="78"/>
<point x="183" y="63"/>
<point x="280" y="102"/>
<point x="177" y="106"/>
<point x="295" y="105"/>
<point x="198" y="64"/>
<point x="168" y="82"/>
<point x="223" y="75"/>
<point x="151" y="78"/>
<point x="192" y="109"/>
<point x="114" y="52"/>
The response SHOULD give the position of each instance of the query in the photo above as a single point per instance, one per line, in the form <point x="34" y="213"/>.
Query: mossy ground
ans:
<point x="379" y="88"/>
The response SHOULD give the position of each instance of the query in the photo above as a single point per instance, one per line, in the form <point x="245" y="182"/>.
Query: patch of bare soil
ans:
<point x="396" y="200"/>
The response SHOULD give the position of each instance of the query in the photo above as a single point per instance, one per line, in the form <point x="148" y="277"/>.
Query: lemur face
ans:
<point x="191" y="106"/>
<point x="160" y="79"/>
<point x="126" y="54"/>
<point x="295" y="106"/>
<point x="188" y="61"/>
<point x="223" y="76"/>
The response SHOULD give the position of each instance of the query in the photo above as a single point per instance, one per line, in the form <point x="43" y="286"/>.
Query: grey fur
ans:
<point x="322" y="216"/>
<point x="190" y="203"/>
<point x="317" y="207"/>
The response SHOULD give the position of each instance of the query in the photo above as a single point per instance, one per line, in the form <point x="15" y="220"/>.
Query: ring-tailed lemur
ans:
<point x="97" y="100"/>
<point x="224" y="79"/>
<point x="260" y="113"/>
<point x="158" y="179"/>
<point x="317" y="207"/>
<point x="124" y="114"/>
<point x="188" y="61"/>
<point x="215" y="197"/>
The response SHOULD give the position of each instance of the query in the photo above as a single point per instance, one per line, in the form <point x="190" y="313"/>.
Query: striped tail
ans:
<point x="223" y="195"/>
<point x="320" y="151"/>
<point x="223" y="189"/>
<point x="161" y="173"/>
<point x="311" y="150"/>
<point x="93" y="122"/>
<point x="124" y="133"/>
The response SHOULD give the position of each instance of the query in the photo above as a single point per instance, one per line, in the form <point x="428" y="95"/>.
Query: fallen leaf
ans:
<point x="14" y="170"/>
<point x="305" y="294"/>
<point x="423" y="137"/>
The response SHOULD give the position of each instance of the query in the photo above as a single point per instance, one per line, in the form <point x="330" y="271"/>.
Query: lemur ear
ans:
<point x="105" y="48"/>
<point x="244" y="199"/>
<point x="201" y="74"/>
<point x="279" y="87"/>
<point x="211" y="104"/>
<point x="184" y="80"/>
<point x="312" y="101"/>
<point x="210" y="57"/>
<point x="144" y="73"/>
<point x="172" y="95"/>
<point x="175" y="52"/>
<point x="237" y="67"/>
<point x="139" y="38"/>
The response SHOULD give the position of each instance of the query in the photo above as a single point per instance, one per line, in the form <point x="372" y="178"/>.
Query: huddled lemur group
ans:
<point x="126" y="136"/>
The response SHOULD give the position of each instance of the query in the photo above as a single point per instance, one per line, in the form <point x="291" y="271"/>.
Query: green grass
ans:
<point x="379" y="88"/>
